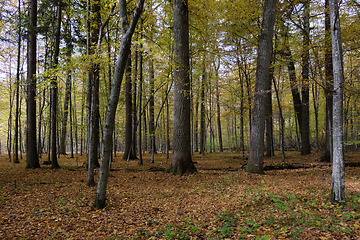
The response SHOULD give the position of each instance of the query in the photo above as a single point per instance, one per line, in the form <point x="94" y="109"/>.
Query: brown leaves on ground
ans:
<point x="221" y="201"/>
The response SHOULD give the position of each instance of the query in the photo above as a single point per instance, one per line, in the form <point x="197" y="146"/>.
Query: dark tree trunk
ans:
<point x="69" y="47"/>
<point x="327" y="157"/>
<point x="93" y="95"/>
<point x="54" y="93"/>
<point x="305" y="103"/>
<point x="262" y="86"/>
<point x="181" y="161"/>
<point x="151" y="110"/>
<point x="196" y="126"/>
<point x="32" y="158"/>
<point x="218" y="112"/>
<point x="202" y="112"/>
<point x="128" y="154"/>
<point x="17" y="97"/>
<point x="140" y="102"/>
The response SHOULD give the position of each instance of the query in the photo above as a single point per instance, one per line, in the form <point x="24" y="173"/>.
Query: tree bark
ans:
<point x="32" y="158"/>
<point x="151" y="110"/>
<point x="54" y="92"/>
<point x="181" y="161"/>
<point x="262" y="86"/>
<point x="338" y="170"/>
<point x="327" y="157"/>
<point x="114" y="99"/>
<point x="305" y="103"/>
<point x="202" y="112"/>
<point x="128" y="154"/>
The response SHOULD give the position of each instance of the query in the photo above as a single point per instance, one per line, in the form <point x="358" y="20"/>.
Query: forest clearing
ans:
<point x="220" y="201"/>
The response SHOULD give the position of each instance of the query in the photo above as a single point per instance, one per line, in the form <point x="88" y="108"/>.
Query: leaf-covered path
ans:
<point x="214" y="203"/>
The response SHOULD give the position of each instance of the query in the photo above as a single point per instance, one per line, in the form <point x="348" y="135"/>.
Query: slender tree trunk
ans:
<point x="202" y="111"/>
<point x="327" y="157"/>
<point x="151" y="110"/>
<point x="196" y="126"/>
<point x="338" y="170"/>
<point x="218" y="113"/>
<point x="17" y="97"/>
<point x="305" y="103"/>
<point x="93" y="95"/>
<point x="114" y="98"/>
<point x="262" y="86"/>
<point x="181" y="161"/>
<point x="128" y="154"/>
<point x="62" y="149"/>
<point x="54" y="93"/>
<point x="32" y="158"/>
<point x="140" y="92"/>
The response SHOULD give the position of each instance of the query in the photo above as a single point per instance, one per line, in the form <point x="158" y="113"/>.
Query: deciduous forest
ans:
<point x="179" y="119"/>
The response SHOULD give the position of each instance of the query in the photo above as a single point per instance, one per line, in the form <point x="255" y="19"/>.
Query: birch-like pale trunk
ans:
<point x="338" y="171"/>
<point x="106" y="147"/>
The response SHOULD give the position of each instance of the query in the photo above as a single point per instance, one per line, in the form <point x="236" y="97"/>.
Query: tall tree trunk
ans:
<point x="181" y="161"/>
<point x="69" y="48"/>
<point x="140" y="92"/>
<point x="327" y="157"/>
<point x="114" y="98"/>
<point x="128" y="154"/>
<point x="262" y="86"/>
<point x="54" y="93"/>
<point x="196" y="126"/>
<point x="202" y="111"/>
<point x="93" y="102"/>
<point x="17" y="93"/>
<point x="32" y="158"/>
<point x="151" y="110"/>
<point x="218" y="112"/>
<point x="338" y="170"/>
<point x="305" y="103"/>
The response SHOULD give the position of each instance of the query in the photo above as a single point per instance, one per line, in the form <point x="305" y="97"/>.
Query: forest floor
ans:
<point x="221" y="201"/>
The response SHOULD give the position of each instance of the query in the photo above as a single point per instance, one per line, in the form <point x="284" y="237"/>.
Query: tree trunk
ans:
<point x="140" y="102"/>
<point x="181" y="161"/>
<point x="69" y="47"/>
<point x="114" y="98"/>
<point x="262" y="86"/>
<point x="151" y="110"/>
<point x="54" y="93"/>
<point x="93" y="95"/>
<point x="218" y="112"/>
<point x="202" y="112"/>
<point x="338" y="170"/>
<point x="128" y="154"/>
<point x="305" y="121"/>
<point x="17" y="97"/>
<point x="32" y="158"/>
<point x="327" y="157"/>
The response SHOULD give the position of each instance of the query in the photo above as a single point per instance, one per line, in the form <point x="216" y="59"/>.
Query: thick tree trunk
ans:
<point x="338" y="170"/>
<point x="262" y="86"/>
<point x="218" y="112"/>
<point x="181" y="161"/>
<point x="32" y="158"/>
<point x="114" y="98"/>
